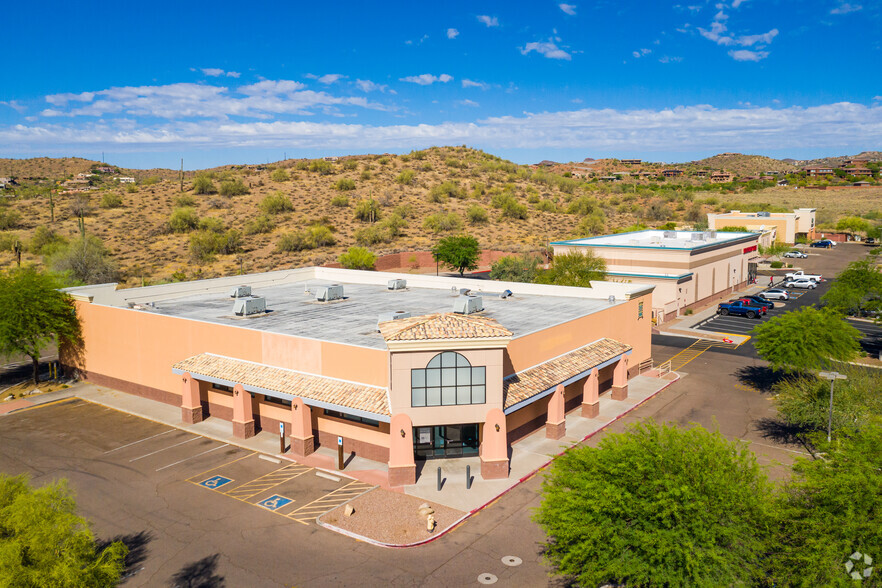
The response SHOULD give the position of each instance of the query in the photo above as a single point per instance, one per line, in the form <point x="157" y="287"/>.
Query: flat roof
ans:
<point x="293" y="310"/>
<point x="657" y="239"/>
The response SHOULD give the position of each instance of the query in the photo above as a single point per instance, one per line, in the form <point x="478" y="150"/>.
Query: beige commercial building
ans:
<point x="789" y="226"/>
<point x="687" y="268"/>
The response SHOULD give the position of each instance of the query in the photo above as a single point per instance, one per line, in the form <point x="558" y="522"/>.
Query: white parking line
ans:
<point x="139" y="441"/>
<point x="193" y="456"/>
<point x="163" y="449"/>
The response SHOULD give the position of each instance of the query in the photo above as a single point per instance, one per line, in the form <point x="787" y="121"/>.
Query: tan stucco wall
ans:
<point x="403" y="362"/>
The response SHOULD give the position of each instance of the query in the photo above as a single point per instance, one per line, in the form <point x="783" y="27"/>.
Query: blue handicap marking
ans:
<point x="274" y="502"/>
<point x="215" y="482"/>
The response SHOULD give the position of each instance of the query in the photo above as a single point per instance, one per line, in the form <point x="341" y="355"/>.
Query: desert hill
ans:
<point x="740" y="164"/>
<point x="837" y="161"/>
<point x="59" y="168"/>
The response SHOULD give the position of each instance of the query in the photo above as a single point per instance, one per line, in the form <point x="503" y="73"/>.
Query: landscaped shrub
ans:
<point x="777" y="264"/>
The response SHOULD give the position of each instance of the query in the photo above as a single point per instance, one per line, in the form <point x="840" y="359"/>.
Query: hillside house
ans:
<point x="672" y="173"/>
<point x="818" y="171"/>
<point x="858" y="171"/>
<point x="721" y="178"/>
<point x="104" y="169"/>
<point x="631" y="161"/>
<point x="855" y="163"/>
<point x="789" y="226"/>
<point x="702" y="173"/>
<point x="125" y="180"/>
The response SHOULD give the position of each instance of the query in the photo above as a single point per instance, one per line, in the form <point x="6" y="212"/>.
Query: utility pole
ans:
<point x="182" y="174"/>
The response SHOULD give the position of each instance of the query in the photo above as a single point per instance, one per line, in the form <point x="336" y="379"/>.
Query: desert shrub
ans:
<point x="515" y="268"/>
<point x="583" y="205"/>
<point x="111" y="200"/>
<point x="279" y="175"/>
<point x="657" y="211"/>
<point x="383" y="160"/>
<point x="84" y="261"/>
<point x="498" y="199"/>
<point x="9" y="219"/>
<point x="184" y="200"/>
<point x="183" y="220"/>
<point x="45" y="241"/>
<point x="442" y="191"/>
<point x="80" y="205"/>
<point x="321" y="235"/>
<point x="476" y="214"/>
<point x="533" y="198"/>
<point x="204" y="244"/>
<point x="276" y="203"/>
<point x="592" y="224"/>
<point x="350" y="164"/>
<point x="371" y="235"/>
<point x="260" y="224"/>
<point x="233" y="187"/>
<point x="344" y="185"/>
<point x="365" y="175"/>
<point x="440" y="222"/>
<point x="420" y="155"/>
<point x="546" y="205"/>
<point x="393" y="225"/>
<point x="215" y="203"/>
<point x="478" y="190"/>
<point x="202" y="184"/>
<point x="131" y="188"/>
<point x="8" y="241"/>
<point x="312" y="237"/>
<point x="321" y="167"/>
<point x="340" y="200"/>
<point x="367" y="210"/>
<point x="406" y="177"/>
<point x="150" y="181"/>
<point x="514" y="210"/>
<point x="426" y="167"/>
<point x="213" y="224"/>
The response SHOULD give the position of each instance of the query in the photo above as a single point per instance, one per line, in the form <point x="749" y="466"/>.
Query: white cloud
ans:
<point x="426" y="79"/>
<point x="452" y="33"/>
<point x="747" y="55"/>
<point x="271" y="87"/>
<point x="568" y="8"/>
<point x="14" y="105"/>
<point x="330" y="78"/>
<point x="669" y="59"/>
<point x="369" y="86"/>
<point x="751" y="40"/>
<point x="548" y="48"/>
<point x="846" y="8"/>
<point x="214" y="72"/>
<point x="685" y="128"/>
<point x="737" y="3"/>
<point x="466" y="83"/>
<point x="641" y="53"/>
<point x="490" y="21"/>
<point x="468" y="102"/>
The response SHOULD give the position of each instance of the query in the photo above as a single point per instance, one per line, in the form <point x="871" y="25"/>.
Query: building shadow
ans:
<point x="199" y="574"/>
<point x="137" y="545"/>
<point x="762" y="378"/>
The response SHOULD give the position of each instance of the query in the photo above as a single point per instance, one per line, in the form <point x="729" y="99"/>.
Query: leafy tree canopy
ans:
<point x="459" y="252"/>
<point x="806" y="339"/>
<point x="858" y="287"/>
<point x="656" y="506"/>
<point x="358" y="258"/>
<point x="515" y="268"/>
<point x="574" y="269"/>
<point x="852" y="224"/>
<point x="35" y="314"/>
<point x="43" y="543"/>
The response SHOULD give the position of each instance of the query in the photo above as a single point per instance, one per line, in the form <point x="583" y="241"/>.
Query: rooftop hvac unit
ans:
<point x="698" y="236"/>
<point x="464" y="291"/>
<point x="240" y="292"/>
<point x="670" y="234"/>
<point x="764" y="214"/>
<point x="710" y="235"/>
<point x="328" y="293"/>
<point x="248" y="305"/>
<point x="391" y="316"/>
<point x="612" y="298"/>
<point x="396" y="284"/>
<point x="468" y="304"/>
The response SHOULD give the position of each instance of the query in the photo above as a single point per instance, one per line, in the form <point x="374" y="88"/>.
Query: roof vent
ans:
<point x="392" y="316"/>
<point x="248" y="305"/>
<point x="240" y="292"/>
<point x="506" y="294"/>
<point x="670" y="234"/>
<point x="468" y="304"/>
<point x="764" y="214"/>
<point x="328" y="293"/>
<point x="612" y="298"/>
<point x="464" y="291"/>
<point x="712" y="234"/>
<point x="396" y="284"/>
<point x="698" y="236"/>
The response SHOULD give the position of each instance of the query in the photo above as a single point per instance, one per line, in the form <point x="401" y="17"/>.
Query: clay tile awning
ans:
<point x="448" y="325"/>
<point x="531" y="383"/>
<point x="320" y="391"/>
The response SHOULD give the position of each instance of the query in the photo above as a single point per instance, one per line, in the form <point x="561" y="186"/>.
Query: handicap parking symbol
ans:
<point x="274" y="502"/>
<point x="215" y="482"/>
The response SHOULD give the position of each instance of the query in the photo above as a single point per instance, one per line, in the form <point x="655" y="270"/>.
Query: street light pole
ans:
<point x="832" y="376"/>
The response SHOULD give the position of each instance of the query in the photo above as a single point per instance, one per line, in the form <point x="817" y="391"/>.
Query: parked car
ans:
<point x="801" y="283"/>
<point x="798" y="275"/>
<point x="775" y="294"/>
<point x="870" y="241"/>
<point x="740" y="308"/>
<point x="798" y="254"/>
<point x="759" y="300"/>
<point x="825" y="244"/>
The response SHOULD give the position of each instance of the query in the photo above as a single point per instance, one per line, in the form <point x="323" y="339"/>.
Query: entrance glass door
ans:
<point x="446" y="441"/>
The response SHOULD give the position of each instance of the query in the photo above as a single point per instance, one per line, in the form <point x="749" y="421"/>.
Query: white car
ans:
<point x="801" y="283"/>
<point x="775" y="294"/>
<point x="798" y="254"/>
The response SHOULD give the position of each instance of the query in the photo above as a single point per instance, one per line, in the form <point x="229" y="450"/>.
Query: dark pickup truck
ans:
<point x="740" y="308"/>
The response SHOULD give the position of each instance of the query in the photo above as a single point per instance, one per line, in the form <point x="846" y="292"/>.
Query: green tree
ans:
<point x="203" y="185"/>
<point x="574" y="269"/>
<point x="84" y="260"/>
<point x="35" y="315"/>
<point x="852" y="224"/>
<point x="515" y="268"/>
<point x="857" y="288"/>
<point x="358" y="258"/>
<point x="806" y="339"/>
<point x="657" y="506"/>
<point x="458" y="252"/>
<point x="830" y="509"/>
<point x="43" y="542"/>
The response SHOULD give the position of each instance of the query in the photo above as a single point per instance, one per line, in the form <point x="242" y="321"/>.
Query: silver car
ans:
<point x="775" y="294"/>
<point x="801" y="283"/>
<point x="798" y="254"/>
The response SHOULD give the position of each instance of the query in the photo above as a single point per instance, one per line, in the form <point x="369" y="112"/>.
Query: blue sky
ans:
<point x="225" y="82"/>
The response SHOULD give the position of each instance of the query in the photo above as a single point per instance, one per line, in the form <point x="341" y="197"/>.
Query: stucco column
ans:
<point x="556" y="425"/>
<point x="494" y="446"/>
<point x="620" y="379"/>
<point x="191" y="404"/>
<point x="243" y="418"/>
<point x="302" y="439"/>
<point x="590" y="400"/>
<point x="402" y="468"/>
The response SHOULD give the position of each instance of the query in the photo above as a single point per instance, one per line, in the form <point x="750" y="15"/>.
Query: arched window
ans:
<point x="447" y="380"/>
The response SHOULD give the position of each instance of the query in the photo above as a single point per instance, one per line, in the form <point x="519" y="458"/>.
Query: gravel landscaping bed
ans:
<point x="391" y="517"/>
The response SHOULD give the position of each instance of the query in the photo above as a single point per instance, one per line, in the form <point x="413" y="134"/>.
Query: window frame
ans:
<point x="449" y="379"/>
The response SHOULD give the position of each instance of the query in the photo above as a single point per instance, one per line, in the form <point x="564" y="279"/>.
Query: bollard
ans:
<point x="468" y="477"/>
<point x="439" y="479"/>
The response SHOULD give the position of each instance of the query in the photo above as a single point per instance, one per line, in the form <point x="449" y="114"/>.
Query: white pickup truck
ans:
<point x="801" y="274"/>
